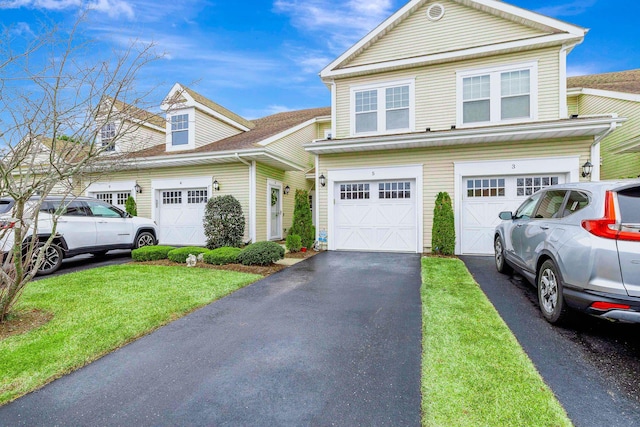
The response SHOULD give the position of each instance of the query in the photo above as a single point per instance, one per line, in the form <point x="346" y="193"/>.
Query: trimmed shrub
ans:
<point x="180" y="254"/>
<point x="151" y="253"/>
<point x="302" y="223"/>
<point x="131" y="207"/>
<point x="294" y="243"/>
<point x="261" y="253"/>
<point x="223" y="222"/>
<point x="221" y="256"/>
<point x="443" y="240"/>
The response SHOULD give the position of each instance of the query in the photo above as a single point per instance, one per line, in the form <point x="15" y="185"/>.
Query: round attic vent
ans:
<point x="435" y="12"/>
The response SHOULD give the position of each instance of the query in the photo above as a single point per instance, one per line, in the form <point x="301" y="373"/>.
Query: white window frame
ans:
<point x="191" y="131"/>
<point x="496" y="95"/>
<point x="382" y="108"/>
<point x="110" y="141"/>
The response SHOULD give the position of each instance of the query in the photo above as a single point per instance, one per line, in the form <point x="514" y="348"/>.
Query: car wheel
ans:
<point x="51" y="261"/>
<point x="501" y="263"/>
<point x="550" y="293"/>
<point x="145" y="239"/>
<point x="98" y="254"/>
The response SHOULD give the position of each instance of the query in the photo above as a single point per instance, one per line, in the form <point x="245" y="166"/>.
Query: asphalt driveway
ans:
<point x="334" y="340"/>
<point x="580" y="371"/>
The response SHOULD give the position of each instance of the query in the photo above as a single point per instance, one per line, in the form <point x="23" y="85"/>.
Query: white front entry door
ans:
<point x="484" y="197"/>
<point x="376" y="216"/>
<point x="274" y="209"/>
<point x="180" y="216"/>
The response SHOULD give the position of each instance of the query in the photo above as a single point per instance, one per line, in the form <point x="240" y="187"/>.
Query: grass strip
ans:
<point x="474" y="372"/>
<point x="97" y="311"/>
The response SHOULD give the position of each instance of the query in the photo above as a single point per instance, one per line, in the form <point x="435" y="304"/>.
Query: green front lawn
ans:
<point x="99" y="310"/>
<point x="474" y="372"/>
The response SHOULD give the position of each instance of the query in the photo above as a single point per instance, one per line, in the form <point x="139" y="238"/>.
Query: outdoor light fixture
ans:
<point x="323" y="180"/>
<point x="287" y="189"/>
<point x="138" y="188"/>
<point x="586" y="169"/>
<point x="216" y="185"/>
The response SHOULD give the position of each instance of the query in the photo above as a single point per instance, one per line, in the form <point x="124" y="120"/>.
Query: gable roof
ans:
<point x="182" y="95"/>
<point x="621" y="81"/>
<point x="139" y="114"/>
<point x="263" y="128"/>
<point x="556" y="33"/>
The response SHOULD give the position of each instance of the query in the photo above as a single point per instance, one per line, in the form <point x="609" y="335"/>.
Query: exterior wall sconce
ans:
<point x="287" y="189"/>
<point x="216" y="185"/>
<point x="137" y="188"/>
<point x="586" y="169"/>
<point x="323" y="180"/>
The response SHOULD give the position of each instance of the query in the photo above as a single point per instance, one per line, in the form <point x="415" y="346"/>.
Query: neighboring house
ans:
<point x="612" y="93"/>
<point x="206" y="151"/>
<point x="463" y="96"/>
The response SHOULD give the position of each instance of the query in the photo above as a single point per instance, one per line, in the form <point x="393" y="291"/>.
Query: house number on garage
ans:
<point x="513" y="166"/>
<point x="373" y="173"/>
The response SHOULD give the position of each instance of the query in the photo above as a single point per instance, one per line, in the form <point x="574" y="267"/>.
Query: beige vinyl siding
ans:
<point x="435" y="88"/>
<point x="290" y="147"/>
<point x="439" y="166"/>
<point x="461" y="27"/>
<point x="296" y="181"/>
<point x="232" y="177"/>
<point x="572" y="105"/>
<point x="321" y="128"/>
<point x="616" y="165"/>
<point x="209" y="129"/>
<point x="136" y="137"/>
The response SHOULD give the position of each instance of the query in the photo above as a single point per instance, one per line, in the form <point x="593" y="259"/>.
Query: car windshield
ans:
<point x="629" y="202"/>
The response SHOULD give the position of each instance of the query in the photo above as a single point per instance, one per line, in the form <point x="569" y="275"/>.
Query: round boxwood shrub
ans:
<point x="151" y="253"/>
<point x="294" y="243"/>
<point x="221" y="256"/>
<point x="261" y="253"/>
<point x="223" y="222"/>
<point x="180" y="255"/>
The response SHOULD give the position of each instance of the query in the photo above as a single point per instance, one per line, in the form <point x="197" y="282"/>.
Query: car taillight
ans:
<point x="608" y="226"/>
<point x="603" y="305"/>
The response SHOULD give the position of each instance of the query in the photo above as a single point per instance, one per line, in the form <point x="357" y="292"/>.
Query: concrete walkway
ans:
<point x="334" y="340"/>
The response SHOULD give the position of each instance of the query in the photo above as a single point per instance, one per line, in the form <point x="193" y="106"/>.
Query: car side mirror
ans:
<point x="506" y="215"/>
<point x="126" y="215"/>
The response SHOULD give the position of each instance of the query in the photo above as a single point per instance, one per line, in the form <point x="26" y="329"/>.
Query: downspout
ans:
<point x="595" y="149"/>
<point x="252" y="197"/>
<point x="317" y="198"/>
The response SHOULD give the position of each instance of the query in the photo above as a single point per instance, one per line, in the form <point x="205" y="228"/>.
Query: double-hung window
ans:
<point x="180" y="129"/>
<point x="107" y="135"/>
<point x="383" y="108"/>
<point x="502" y="94"/>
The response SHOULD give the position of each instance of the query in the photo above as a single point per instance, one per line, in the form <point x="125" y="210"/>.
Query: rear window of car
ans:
<point x="629" y="202"/>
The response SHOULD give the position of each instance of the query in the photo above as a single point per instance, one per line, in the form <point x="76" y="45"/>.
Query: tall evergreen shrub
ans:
<point x="443" y="237"/>
<point x="223" y="222"/>
<point x="302" y="223"/>
<point x="131" y="207"/>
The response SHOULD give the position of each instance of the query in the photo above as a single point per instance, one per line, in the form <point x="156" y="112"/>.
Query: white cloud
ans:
<point x="22" y="29"/>
<point x="583" y="70"/>
<point x="342" y="23"/>
<point x="113" y="8"/>
<point x="573" y="8"/>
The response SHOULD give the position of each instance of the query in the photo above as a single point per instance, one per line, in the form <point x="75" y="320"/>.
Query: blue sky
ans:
<point x="263" y="56"/>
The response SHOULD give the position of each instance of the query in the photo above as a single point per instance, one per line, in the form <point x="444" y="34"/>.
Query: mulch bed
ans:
<point x="23" y="321"/>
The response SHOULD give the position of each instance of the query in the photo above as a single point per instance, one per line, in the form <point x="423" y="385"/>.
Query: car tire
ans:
<point x="145" y="239"/>
<point x="99" y="254"/>
<point x="550" y="297"/>
<point x="501" y="263"/>
<point x="52" y="259"/>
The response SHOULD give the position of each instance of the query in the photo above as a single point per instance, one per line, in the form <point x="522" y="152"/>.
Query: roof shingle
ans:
<point x="622" y="81"/>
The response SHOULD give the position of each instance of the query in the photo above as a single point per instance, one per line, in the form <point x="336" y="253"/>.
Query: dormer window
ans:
<point x="107" y="136"/>
<point x="180" y="129"/>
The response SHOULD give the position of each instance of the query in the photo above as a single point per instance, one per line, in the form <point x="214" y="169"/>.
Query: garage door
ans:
<point x="485" y="197"/>
<point x="180" y="216"/>
<point x="376" y="216"/>
<point x="116" y="198"/>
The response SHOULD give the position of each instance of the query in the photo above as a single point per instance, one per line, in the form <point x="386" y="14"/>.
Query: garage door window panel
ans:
<point x="354" y="191"/>
<point x="486" y="187"/>
<point x="394" y="190"/>
<point x="171" y="197"/>
<point x="526" y="186"/>
<point x="196" y="196"/>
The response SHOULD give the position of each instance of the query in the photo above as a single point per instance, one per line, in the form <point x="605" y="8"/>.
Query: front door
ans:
<point x="275" y="211"/>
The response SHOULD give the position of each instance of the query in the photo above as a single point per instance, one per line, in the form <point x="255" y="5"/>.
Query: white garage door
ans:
<point x="180" y="216"/>
<point x="116" y="198"/>
<point x="376" y="216"/>
<point x="485" y="197"/>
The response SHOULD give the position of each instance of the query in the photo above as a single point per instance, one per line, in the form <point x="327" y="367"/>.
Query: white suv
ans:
<point x="85" y="225"/>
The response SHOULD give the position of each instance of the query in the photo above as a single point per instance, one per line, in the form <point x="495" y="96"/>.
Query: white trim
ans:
<point x="375" y="174"/>
<point x="334" y="109"/>
<point x="317" y="197"/>
<point x="191" y="130"/>
<point x="381" y="111"/>
<point x="595" y="161"/>
<point x="564" y="109"/>
<point x="252" y="202"/>
<point x="272" y="183"/>
<point x="624" y="96"/>
<point x="112" y="186"/>
<point x="495" y="92"/>
<point x="514" y="46"/>
<point x="569" y="165"/>
<point x="158" y="185"/>
<point x="571" y="30"/>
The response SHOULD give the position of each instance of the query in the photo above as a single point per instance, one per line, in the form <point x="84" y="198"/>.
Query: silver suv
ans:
<point x="84" y="225"/>
<point x="580" y="245"/>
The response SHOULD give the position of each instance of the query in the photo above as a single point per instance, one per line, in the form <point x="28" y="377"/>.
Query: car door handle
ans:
<point x="518" y="225"/>
<point x="544" y="227"/>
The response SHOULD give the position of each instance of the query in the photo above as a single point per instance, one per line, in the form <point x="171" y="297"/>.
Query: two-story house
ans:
<point x="463" y="96"/>
<point x="173" y="165"/>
